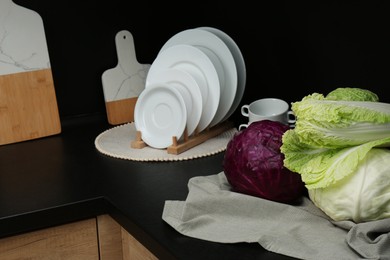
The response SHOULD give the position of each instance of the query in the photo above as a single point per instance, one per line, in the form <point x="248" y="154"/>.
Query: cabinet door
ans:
<point x="110" y="239"/>
<point x="76" y="241"/>
<point x="93" y="239"/>
<point x="116" y="243"/>
<point x="134" y="250"/>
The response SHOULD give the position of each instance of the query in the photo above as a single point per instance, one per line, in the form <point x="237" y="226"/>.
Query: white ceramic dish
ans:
<point x="159" y="114"/>
<point x="189" y="89"/>
<point x="240" y="65"/>
<point x="192" y="60"/>
<point x="204" y="39"/>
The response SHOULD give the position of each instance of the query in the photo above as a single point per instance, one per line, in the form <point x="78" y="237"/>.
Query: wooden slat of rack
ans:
<point x="188" y="142"/>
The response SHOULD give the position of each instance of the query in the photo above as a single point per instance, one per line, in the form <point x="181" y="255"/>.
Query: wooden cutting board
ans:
<point x="123" y="84"/>
<point x="28" y="105"/>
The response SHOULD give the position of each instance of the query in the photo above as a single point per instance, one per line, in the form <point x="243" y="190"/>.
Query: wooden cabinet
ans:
<point x="71" y="241"/>
<point x="134" y="250"/>
<point x="98" y="238"/>
<point x="117" y="243"/>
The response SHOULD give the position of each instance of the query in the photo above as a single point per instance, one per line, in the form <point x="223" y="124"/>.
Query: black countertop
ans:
<point x="63" y="178"/>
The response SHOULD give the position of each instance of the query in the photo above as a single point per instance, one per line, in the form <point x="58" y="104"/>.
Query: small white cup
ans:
<point x="273" y="109"/>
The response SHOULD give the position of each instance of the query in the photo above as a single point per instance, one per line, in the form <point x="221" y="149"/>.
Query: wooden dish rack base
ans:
<point x="188" y="142"/>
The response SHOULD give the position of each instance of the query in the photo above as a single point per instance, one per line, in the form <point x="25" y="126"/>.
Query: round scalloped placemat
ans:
<point x="116" y="142"/>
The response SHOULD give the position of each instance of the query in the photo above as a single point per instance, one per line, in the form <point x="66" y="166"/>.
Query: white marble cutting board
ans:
<point x="22" y="40"/>
<point x="123" y="84"/>
<point x="28" y="104"/>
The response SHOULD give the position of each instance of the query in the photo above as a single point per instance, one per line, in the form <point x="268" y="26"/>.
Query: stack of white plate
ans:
<point x="196" y="81"/>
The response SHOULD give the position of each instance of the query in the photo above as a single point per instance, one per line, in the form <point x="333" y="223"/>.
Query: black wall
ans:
<point x="291" y="48"/>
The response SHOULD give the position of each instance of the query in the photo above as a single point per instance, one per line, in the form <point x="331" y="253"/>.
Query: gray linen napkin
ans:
<point x="212" y="212"/>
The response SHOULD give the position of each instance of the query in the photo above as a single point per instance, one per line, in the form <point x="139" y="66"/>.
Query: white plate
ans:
<point x="159" y="114"/>
<point x="192" y="60"/>
<point x="240" y="65"/>
<point x="189" y="89"/>
<point x="204" y="39"/>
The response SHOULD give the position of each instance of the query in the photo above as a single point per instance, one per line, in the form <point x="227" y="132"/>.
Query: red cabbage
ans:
<point x="253" y="164"/>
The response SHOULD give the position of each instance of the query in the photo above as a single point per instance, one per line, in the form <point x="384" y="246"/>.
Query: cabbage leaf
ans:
<point x="333" y="134"/>
<point x="352" y="94"/>
<point x="322" y="167"/>
<point x="334" y="124"/>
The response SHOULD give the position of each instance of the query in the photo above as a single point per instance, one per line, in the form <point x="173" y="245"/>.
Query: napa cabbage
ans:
<point x="340" y="147"/>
